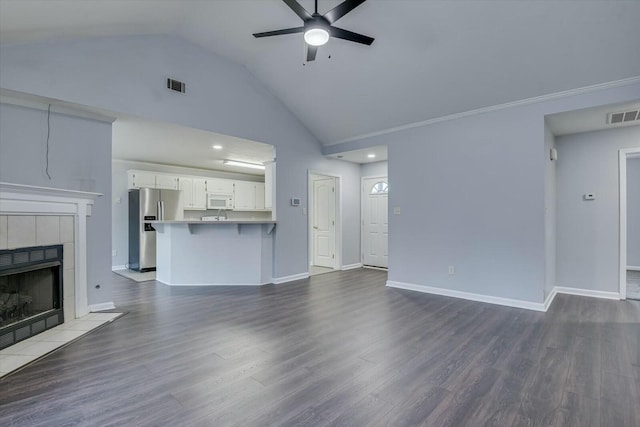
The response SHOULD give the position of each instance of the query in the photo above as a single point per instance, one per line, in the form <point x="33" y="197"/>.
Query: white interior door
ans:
<point x="375" y="220"/>
<point x="324" y="215"/>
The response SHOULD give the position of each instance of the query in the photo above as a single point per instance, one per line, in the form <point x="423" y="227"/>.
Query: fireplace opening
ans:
<point x="30" y="292"/>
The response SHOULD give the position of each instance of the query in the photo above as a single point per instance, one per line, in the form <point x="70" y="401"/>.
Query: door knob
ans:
<point x="315" y="227"/>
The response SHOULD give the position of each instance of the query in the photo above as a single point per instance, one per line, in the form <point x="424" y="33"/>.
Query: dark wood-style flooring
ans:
<point x="337" y="349"/>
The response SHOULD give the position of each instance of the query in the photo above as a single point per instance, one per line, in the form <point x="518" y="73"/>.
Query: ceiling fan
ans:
<point x="318" y="28"/>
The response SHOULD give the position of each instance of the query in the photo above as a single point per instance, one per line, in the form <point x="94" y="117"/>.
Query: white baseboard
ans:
<point x="209" y="284"/>
<point x="468" y="296"/>
<point x="293" y="277"/>
<point x="118" y="267"/>
<point x="102" y="306"/>
<point x="633" y="267"/>
<point x="587" y="293"/>
<point x="351" y="266"/>
<point x="550" y="298"/>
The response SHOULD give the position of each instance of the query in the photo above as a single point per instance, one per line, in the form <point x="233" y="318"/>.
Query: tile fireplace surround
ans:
<point x="37" y="216"/>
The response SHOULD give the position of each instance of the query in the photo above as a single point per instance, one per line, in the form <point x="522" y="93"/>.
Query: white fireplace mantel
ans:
<point x="19" y="199"/>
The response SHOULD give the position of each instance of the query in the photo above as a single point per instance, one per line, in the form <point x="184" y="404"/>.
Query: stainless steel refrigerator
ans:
<point x="146" y="205"/>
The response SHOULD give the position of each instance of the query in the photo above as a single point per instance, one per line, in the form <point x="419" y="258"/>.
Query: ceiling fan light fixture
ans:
<point x="316" y="36"/>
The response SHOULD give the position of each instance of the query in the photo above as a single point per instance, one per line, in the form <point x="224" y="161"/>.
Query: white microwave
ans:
<point x="219" y="201"/>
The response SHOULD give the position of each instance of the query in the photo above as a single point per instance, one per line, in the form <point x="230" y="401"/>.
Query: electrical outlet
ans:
<point x="452" y="270"/>
<point x="118" y="200"/>
<point x="304" y="211"/>
<point x="114" y="253"/>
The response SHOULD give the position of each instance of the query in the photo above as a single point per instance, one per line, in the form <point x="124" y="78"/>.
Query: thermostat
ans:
<point x="295" y="201"/>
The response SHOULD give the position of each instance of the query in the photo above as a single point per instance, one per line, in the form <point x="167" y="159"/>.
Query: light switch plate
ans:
<point x="589" y="196"/>
<point x="396" y="210"/>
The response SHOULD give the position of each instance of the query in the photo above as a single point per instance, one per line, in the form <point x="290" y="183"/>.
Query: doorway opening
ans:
<point x="375" y="222"/>
<point x="629" y="223"/>
<point x="324" y="223"/>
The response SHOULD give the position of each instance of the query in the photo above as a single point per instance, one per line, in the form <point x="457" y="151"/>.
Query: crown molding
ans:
<point x="526" y="101"/>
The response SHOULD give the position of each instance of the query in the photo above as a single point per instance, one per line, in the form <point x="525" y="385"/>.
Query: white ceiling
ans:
<point x="589" y="119"/>
<point x="146" y="141"/>
<point x="429" y="59"/>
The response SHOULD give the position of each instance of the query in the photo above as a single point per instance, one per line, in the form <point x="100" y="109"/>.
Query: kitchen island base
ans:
<point x="214" y="253"/>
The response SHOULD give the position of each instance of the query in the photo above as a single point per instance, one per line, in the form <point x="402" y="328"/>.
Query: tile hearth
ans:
<point x="24" y="352"/>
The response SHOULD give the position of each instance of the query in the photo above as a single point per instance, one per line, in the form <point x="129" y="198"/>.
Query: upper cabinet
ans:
<point x="167" y="182"/>
<point x="138" y="179"/>
<point x="146" y="179"/>
<point x="249" y="196"/>
<point x="269" y="184"/>
<point x="219" y="186"/>
<point x="194" y="192"/>
<point x="199" y="193"/>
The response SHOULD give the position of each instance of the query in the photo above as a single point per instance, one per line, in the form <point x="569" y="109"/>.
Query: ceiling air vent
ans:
<point x="623" y="117"/>
<point x="175" y="85"/>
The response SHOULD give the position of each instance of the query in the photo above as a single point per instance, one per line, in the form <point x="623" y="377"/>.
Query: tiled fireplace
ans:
<point x="42" y="242"/>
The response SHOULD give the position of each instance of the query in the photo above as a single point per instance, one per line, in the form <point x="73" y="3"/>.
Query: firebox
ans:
<point x="30" y="292"/>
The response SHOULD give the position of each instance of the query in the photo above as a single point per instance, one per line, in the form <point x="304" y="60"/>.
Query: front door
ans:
<point x="375" y="222"/>
<point x="324" y="222"/>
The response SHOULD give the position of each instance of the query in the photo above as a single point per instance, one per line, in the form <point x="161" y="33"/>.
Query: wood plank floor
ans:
<point x="338" y="349"/>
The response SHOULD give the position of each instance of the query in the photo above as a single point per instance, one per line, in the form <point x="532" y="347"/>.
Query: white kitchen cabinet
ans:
<point x="199" y="193"/>
<point x="269" y="184"/>
<point x="249" y="196"/>
<point x="259" y="195"/>
<point x="186" y="186"/>
<point x="167" y="182"/>
<point x="219" y="186"/>
<point x="139" y="179"/>
<point x="193" y="192"/>
<point x="244" y="196"/>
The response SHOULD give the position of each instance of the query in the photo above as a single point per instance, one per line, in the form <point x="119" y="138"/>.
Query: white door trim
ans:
<point x="623" y="155"/>
<point x="337" y="238"/>
<point x="386" y="177"/>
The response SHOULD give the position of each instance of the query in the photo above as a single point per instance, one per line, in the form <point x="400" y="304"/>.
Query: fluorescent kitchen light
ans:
<point x="371" y="156"/>
<point x="243" y="164"/>
<point x="217" y="147"/>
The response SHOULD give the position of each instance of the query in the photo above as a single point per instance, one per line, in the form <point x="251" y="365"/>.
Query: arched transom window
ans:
<point x="380" y="187"/>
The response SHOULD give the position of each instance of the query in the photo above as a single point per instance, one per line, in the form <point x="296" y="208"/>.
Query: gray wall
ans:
<point x="128" y="75"/>
<point x="588" y="231"/>
<point x="550" y="205"/>
<point x="472" y="194"/>
<point x="120" y="212"/>
<point x="633" y="211"/>
<point x="80" y="159"/>
<point x="375" y="169"/>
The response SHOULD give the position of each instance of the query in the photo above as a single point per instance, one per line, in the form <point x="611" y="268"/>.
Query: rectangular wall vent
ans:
<point x="176" y="85"/>
<point x="623" y="117"/>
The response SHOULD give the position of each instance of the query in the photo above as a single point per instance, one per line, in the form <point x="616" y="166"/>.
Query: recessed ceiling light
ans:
<point x="371" y="156"/>
<point x="217" y="147"/>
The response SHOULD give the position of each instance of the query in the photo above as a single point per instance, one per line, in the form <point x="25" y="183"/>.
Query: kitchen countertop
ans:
<point x="230" y="221"/>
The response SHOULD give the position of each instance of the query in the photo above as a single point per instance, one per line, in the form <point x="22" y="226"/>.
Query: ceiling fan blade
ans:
<point x="299" y="10"/>
<point x="279" y="32"/>
<point x="311" y="53"/>
<point x="351" y="36"/>
<point x="342" y="9"/>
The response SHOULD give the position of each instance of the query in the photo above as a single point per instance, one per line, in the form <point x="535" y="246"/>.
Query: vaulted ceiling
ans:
<point x="429" y="59"/>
